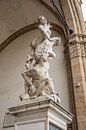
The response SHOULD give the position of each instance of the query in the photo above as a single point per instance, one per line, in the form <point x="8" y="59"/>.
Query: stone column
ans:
<point x="79" y="83"/>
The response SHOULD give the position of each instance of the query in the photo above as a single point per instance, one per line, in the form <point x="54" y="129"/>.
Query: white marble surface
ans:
<point x="30" y="126"/>
<point x="40" y="110"/>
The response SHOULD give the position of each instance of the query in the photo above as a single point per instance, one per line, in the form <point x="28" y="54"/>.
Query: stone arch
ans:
<point x="27" y="29"/>
<point x="73" y="15"/>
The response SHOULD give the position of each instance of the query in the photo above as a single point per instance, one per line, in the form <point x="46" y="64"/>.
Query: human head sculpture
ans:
<point x="42" y="20"/>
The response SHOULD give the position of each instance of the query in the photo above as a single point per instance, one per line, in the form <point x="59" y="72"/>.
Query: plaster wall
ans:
<point x="17" y="14"/>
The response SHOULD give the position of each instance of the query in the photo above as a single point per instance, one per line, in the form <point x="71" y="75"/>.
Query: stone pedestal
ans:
<point x="40" y="114"/>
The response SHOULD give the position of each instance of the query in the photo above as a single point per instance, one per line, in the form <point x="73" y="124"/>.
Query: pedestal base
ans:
<point x="40" y="114"/>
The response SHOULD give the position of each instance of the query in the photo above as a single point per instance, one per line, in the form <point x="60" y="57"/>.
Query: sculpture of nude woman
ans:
<point x="44" y="49"/>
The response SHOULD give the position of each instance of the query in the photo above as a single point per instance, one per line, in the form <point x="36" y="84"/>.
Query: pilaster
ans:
<point x="78" y="67"/>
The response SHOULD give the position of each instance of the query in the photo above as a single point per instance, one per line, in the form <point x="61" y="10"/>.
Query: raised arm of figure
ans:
<point x="46" y="35"/>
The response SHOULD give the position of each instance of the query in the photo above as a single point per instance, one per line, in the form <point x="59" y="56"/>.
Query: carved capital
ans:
<point x="74" y="49"/>
<point x="77" y="48"/>
<point x="83" y="49"/>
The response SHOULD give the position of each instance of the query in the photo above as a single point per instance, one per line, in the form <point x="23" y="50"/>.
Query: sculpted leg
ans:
<point x="43" y="84"/>
<point x="26" y="78"/>
<point x="27" y="84"/>
<point x="51" y="86"/>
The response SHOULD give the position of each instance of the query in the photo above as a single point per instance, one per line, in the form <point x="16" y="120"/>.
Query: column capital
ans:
<point x="77" y="47"/>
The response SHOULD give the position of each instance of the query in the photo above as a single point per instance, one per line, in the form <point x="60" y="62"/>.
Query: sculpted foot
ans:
<point x="24" y="97"/>
<point x="56" y="98"/>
